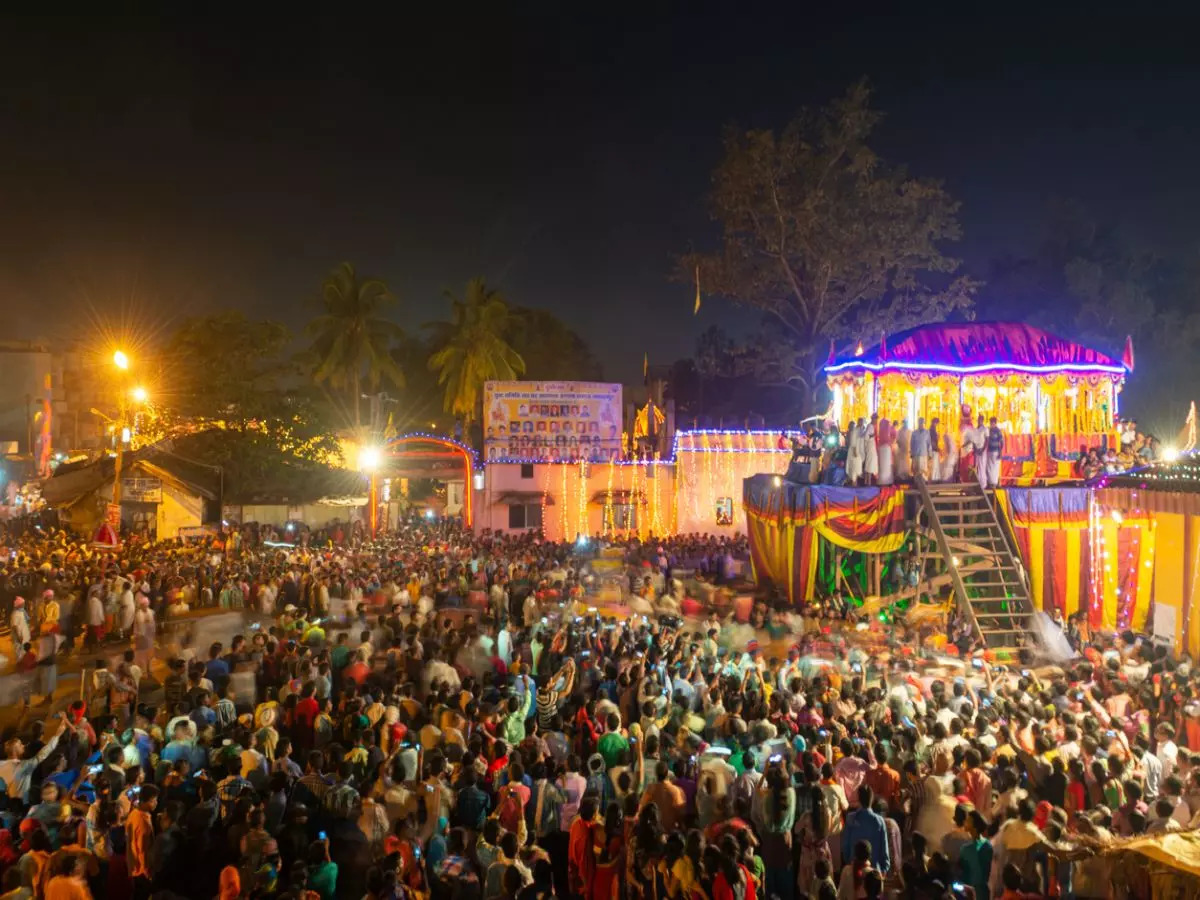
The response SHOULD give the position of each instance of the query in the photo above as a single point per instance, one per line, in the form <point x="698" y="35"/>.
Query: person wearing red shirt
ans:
<point x="304" y="717"/>
<point x="358" y="670"/>
<point x="733" y="881"/>
<point x="976" y="783"/>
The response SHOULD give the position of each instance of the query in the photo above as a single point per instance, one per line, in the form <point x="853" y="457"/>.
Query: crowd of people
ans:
<point x="447" y="716"/>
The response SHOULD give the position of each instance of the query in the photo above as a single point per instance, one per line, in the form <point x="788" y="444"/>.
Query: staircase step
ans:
<point x="962" y="521"/>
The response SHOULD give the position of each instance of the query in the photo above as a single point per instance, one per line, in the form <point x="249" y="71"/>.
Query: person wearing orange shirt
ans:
<point x="667" y="796"/>
<point x="139" y="835"/>
<point x="584" y="838"/>
<point x="884" y="780"/>
<point x="68" y="883"/>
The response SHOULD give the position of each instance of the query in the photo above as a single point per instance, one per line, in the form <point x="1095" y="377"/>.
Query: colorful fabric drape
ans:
<point x="1084" y="554"/>
<point x="784" y="520"/>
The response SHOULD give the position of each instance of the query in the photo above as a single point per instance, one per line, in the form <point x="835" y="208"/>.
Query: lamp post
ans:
<point x="121" y="361"/>
<point x="369" y="459"/>
<point x="123" y="427"/>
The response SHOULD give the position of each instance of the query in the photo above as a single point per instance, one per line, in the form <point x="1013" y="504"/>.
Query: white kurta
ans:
<point x="870" y="451"/>
<point x="887" y="471"/>
<point x="949" y="460"/>
<point x="854" y="455"/>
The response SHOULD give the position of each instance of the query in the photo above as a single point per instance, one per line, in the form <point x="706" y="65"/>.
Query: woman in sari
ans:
<point x="604" y="879"/>
<point x="811" y="838"/>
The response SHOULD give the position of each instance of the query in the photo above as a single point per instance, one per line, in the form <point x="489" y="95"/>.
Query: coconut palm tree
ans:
<point x="351" y="343"/>
<point x="472" y="348"/>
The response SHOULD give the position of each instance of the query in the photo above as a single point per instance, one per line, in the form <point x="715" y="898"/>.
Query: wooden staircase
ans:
<point x="986" y="575"/>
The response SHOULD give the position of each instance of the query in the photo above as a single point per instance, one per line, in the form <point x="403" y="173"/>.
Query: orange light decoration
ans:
<point x="656" y="520"/>
<point x="581" y="520"/>
<point x="391" y="448"/>
<point x="608" y="504"/>
<point x="562" y="525"/>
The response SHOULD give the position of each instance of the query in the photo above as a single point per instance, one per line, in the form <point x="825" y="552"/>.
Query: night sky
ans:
<point x="158" y="166"/>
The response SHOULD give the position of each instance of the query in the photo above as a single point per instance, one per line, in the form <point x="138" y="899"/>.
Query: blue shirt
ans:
<point x="216" y="670"/>
<point x="864" y="825"/>
<point x="203" y="716"/>
<point x="920" y="443"/>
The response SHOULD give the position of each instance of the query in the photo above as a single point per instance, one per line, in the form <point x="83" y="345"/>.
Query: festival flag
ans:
<point x="883" y="345"/>
<point x="832" y="353"/>
<point x="645" y="365"/>
<point x="696" y="311"/>
<point x="1127" y="356"/>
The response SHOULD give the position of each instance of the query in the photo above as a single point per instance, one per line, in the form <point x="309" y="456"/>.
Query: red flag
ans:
<point x="883" y="345"/>
<point x="1127" y="356"/>
<point x="832" y="354"/>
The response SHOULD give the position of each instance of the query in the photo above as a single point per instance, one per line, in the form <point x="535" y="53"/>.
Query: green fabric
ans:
<point x="323" y="880"/>
<point x="610" y="746"/>
<point x="512" y="729"/>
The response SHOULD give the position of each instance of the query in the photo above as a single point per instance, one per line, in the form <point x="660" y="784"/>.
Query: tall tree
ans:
<point x="352" y="343"/>
<point x="222" y="366"/>
<point x="223" y="391"/>
<point x="472" y="348"/>
<point x="551" y="350"/>
<point x="827" y="240"/>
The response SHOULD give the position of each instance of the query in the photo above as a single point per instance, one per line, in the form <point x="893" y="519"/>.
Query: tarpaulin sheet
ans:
<point x="784" y="518"/>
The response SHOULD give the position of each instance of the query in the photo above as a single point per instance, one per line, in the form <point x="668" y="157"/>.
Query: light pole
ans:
<point x="124" y="430"/>
<point x="121" y="361"/>
<point x="369" y="459"/>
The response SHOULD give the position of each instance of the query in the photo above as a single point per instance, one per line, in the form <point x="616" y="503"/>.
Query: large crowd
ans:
<point x="439" y="715"/>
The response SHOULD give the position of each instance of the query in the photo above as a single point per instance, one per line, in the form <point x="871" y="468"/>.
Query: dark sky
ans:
<point x="156" y="166"/>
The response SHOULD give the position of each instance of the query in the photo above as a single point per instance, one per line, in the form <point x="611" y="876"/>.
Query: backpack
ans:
<point x="508" y="810"/>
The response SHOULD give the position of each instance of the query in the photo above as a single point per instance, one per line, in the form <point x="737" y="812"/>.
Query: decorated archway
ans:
<point x="422" y="455"/>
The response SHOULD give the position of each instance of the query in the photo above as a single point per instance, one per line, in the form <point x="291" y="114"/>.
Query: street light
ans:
<point x="121" y="361"/>
<point x="369" y="459"/>
<point x="139" y="395"/>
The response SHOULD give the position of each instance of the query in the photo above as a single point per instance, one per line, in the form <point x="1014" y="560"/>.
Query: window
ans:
<point x="526" y="470"/>
<point x="525" y="515"/>
<point x="624" y="516"/>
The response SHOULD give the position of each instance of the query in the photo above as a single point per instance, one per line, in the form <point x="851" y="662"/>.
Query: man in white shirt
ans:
<point x="17" y="772"/>
<point x="1166" y="749"/>
<point x="1151" y="768"/>
<point x="504" y="645"/>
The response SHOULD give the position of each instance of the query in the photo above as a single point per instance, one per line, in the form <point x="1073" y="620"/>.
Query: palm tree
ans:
<point x="473" y="348"/>
<point x="350" y="337"/>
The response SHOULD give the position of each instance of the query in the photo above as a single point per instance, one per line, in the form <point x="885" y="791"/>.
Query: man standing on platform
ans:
<point x="977" y="436"/>
<point x="919" y="448"/>
<point x="995" y="450"/>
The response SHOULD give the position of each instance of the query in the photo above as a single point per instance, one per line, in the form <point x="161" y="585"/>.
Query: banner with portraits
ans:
<point x="551" y="421"/>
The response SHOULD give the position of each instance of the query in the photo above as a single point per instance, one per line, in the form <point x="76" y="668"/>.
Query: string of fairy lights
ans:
<point x="1112" y="570"/>
<point x="631" y="496"/>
